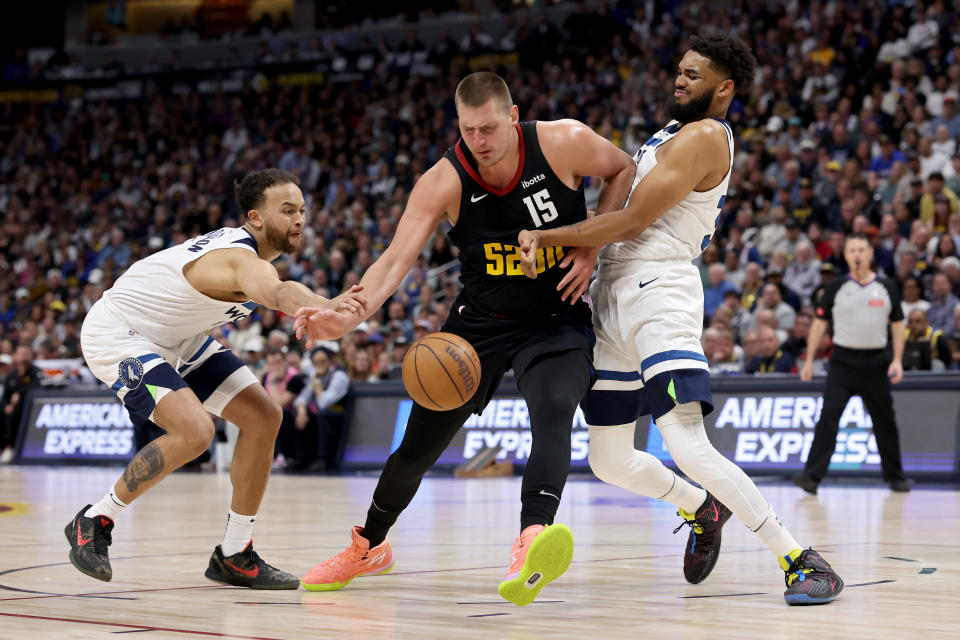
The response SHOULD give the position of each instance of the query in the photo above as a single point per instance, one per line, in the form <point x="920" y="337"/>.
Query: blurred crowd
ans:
<point x="853" y="125"/>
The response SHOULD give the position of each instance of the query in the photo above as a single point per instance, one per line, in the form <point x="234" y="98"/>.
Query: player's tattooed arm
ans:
<point x="146" y="465"/>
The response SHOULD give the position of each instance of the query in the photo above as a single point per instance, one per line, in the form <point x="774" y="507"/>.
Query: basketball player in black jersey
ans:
<point x="501" y="177"/>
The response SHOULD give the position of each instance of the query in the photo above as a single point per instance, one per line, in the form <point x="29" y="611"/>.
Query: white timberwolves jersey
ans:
<point x="156" y="300"/>
<point x="684" y="230"/>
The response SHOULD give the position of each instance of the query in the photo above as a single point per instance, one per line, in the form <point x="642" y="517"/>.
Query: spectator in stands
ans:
<point x="925" y="348"/>
<point x="774" y="276"/>
<point x="397" y="351"/>
<point x="717" y="289"/>
<point x="727" y="355"/>
<point x="362" y="368"/>
<point x="22" y="377"/>
<point x="803" y="273"/>
<point x="320" y="408"/>
<point x="752" y="282"/>
<point x="283" y="383"/>
<point x="734" y="272"/>
<point x="770" y="358"/>
<point x="796" y="344"/>
<point x="913" y="298"/>
<point x="943" y="305"/>
<point x="739" y="317"/>
<point x="936" y="186"/>
<point x="771" y="300"/>
<point x="950" y="266"/>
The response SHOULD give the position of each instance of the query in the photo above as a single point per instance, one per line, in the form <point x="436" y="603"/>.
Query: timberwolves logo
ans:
<point x="131" y="373"/>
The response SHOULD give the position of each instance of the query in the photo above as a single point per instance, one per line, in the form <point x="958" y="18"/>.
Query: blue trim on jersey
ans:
<point x="250" y="305"/>
<point x="205" y="379"/>
<point x="607" y="408"/>
<point x="653" y="142"/>
<point x="619" y="376"/>
<point x="672" y="128"/>
<point x="725" y="123"/>
<point x="189" y="361"/>
<point x="116" y="386"/>
<point x="673" y="354"/>
<point x="250" y="242"/>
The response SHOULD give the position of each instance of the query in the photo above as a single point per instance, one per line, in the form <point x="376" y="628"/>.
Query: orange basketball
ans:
<point x="441" y="371"/>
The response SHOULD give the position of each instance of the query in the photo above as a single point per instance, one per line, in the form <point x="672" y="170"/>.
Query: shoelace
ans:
<point x="101" y="534"/>
<point x="797" y="567"/>
<point x="257" y="561"/>
<point x="693" y="524"/>
<point x="351" y="554"/>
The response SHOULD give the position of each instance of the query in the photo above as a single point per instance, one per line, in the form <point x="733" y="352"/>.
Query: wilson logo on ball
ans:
<point x="441" y="371"/>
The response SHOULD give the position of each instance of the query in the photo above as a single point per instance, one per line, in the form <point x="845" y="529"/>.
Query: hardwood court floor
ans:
<point x="898" y="555"/>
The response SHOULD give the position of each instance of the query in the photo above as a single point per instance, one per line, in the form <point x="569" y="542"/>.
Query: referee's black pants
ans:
<point x="870" y="382"/>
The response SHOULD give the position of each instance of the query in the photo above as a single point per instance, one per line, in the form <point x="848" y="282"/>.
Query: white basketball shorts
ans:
<point x="648" y="318"/>
<point x="141" y="372"/>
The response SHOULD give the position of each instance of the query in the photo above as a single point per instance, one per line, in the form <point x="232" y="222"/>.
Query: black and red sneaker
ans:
<point x="89" y="539"/>
<point x="703" y="543"/>
<point x="810" y="580"/>
<point x="247" y="569"/>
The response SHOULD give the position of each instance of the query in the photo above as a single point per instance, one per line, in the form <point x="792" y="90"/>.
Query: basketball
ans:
<point x="441" y="371"/>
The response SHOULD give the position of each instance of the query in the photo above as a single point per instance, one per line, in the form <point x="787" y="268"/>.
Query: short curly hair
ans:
<point x="249" y="192"/>
<point x="729" y="54"/>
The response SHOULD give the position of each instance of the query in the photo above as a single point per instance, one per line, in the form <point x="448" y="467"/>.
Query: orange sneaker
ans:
<point x="539" y="556"/>
<point x="356" y="560"/>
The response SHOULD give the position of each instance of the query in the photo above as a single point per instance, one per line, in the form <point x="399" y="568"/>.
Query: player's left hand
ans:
<point x="895" y="372"/>
<point x="529" y="244"/>
<point x="577" y="280"/>
<point x="324" y="324"/>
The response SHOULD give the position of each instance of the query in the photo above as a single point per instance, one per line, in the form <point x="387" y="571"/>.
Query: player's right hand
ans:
<point x="529" y="244"/>
<point x="806" y="372"/>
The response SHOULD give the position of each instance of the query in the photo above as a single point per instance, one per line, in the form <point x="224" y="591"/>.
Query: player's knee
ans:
<point x="553" y="404"/>
<point x="411" y="462"/>
<point x="611" y="453"/>
<point x="608" y="466"/>
<point x="200" y="434"/>
<point x="272" y="417"/>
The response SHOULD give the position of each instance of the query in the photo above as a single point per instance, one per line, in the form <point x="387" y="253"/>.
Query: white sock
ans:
<point x="110" y="505"/>
<point x="777" y="537"/>
<point x="239" y="533"/>
<point x="686" y="439"/>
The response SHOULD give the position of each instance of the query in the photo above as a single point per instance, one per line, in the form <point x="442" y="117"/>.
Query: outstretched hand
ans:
<point x="344" y="314"/>
<point x="529" y="244"/>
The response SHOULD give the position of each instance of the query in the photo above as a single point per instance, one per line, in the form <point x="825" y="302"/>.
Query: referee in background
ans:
<point x="860" y="306"/>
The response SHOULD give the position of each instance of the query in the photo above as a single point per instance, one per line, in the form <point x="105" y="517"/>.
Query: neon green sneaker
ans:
<point x="539" y="556"/>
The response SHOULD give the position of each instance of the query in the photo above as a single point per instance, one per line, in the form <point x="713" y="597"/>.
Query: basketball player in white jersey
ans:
<point x="147" y="339"/>
<point x="648" y="316"/>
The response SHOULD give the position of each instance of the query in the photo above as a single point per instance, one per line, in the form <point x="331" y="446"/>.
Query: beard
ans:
<point x="279" y="240"/>
<point x="696" y="109"/>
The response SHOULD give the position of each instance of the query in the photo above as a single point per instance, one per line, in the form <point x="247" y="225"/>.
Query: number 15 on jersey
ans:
<point x="541" y="209"/>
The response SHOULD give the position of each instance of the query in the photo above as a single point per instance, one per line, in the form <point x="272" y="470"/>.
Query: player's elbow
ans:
<point x="634" y="227"/>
